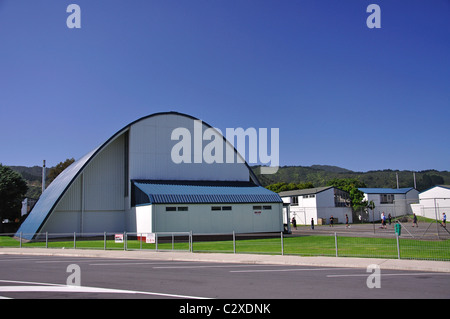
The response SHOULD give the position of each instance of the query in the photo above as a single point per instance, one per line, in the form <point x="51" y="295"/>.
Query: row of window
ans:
<point x="213" y="208"/>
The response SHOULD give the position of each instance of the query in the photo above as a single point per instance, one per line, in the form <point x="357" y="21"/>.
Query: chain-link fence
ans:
<point x="401" y="244"/>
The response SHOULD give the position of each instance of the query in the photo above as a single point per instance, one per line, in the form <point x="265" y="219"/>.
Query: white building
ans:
<point x="132" y="183"/>
<point x="433" y="202"/>
<point x="394" y="201"/>
<point x="318" y="203"/>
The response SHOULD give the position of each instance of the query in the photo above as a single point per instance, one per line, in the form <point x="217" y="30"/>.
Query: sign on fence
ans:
<point x="118" y="238"/>
<point x="150" y="238"/>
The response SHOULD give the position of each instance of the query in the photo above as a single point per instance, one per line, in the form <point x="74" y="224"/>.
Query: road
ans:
<point x="43" y="277"/>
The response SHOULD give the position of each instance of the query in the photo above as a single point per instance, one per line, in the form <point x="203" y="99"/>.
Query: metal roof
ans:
<point x="386" y="190"/>
<point x="202" y="193"/>
<point x="50" y="197"/>
<point x="306" y="191"/>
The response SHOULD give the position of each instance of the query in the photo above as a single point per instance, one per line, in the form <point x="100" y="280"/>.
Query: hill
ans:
<point x="319" y="175"/>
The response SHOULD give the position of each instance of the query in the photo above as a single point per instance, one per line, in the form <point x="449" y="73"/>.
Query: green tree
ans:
<point x="55" y="171"/>
<point x="12" y="191"/>
<point x="350" y="185"/>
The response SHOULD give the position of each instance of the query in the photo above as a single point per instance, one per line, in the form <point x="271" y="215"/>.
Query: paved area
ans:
<point x="37" y="276"/>
<point x="425" y="231"/>
<point x="416" y="265"/>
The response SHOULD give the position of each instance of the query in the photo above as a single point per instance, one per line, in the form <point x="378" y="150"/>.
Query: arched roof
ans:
<point x="56" y="190"/>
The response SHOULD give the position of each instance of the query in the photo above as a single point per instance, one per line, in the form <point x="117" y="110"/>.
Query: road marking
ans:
<point x="48" y="287"/>
<point x="286" y="270"/>
<point x="400" y="274"/>
<point x="211" y="266"/>
<point x="137" y="263"/>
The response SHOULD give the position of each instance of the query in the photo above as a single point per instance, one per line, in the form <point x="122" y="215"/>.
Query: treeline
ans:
<point x="321" y="176"/>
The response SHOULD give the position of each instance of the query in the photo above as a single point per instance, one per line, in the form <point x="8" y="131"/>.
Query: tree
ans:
<point x="350" y="185"/>
<point x="282" y="186"/>
<point x="55" y="171"/>
<point x="12" y="191"/>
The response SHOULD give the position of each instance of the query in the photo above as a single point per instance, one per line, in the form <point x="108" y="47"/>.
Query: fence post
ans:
<point x="282" y="244"/>
<point x="156" y="241"/>
<point x="234" y="242"/>
<point x="20" y="238"/>
<point x="336" y="244"/>
<point x="124" y="240"/>
<point x="191" y="244"/>
<point x="104" y="240"/>
<point x="398" y="246"/>
<point x="46" y="239"/>
<point x="74" y="240"/>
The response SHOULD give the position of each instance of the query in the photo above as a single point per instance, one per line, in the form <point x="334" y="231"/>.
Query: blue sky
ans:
<point x="340" y="93"/>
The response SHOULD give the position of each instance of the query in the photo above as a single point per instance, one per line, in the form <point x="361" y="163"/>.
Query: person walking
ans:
<point x="294" y="222"/>
<point x="444" y="220"/>
<point x="331" y="221"/>
<point x="383" y="220"/>
<point x="415" y="220"/>
<point x="346" y="221"/>
<point x="312" y="223"/>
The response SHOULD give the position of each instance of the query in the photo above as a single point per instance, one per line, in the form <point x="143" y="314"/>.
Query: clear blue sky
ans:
<point x="340" y="93"/>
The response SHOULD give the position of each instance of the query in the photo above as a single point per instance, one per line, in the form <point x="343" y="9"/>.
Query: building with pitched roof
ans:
<point x="433" y="202"/>
<point x="318" y="204"/>
<point x="394" y="201"/>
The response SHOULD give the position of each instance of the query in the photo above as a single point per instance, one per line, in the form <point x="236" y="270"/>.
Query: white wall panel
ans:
<point x="150" y="153"/>
<point x="104" y="179"/>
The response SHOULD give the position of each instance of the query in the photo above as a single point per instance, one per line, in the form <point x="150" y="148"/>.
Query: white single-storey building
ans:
<point x="394" y="201"/>
<point x="140" y="180"/>
<point x="319" y="204"/>
<point x="433" y="202"/>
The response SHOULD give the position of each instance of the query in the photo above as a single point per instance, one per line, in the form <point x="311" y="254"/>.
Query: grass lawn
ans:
<point x="303" y="246"/>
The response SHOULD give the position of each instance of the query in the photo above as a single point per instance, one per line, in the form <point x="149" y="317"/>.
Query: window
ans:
<point x="257" y="207"/>
<point x="294" y="200"/>
<point x="341" y="198"/>
<point x="221" y="208"/>
<point x="174" y="209"/>
<point x="268" y="207"/>
<point x="386" y="198"/>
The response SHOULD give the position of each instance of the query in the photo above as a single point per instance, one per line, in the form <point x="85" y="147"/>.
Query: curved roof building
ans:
<point x="136" y="182"/>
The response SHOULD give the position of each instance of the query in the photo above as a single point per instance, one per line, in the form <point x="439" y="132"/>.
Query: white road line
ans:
<point x="138" y="263"/>
<point x="47" y="287"/>
<point x="286" y="270"/>
<point x="399" y="274"/>
<point x="210" y="266"/>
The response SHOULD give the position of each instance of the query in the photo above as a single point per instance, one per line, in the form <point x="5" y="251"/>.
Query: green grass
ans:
<point x="303" y="246"/>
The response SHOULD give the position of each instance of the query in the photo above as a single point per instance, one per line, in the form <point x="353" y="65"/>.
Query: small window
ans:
<point x="183" y="209"/>
<point x="257" y="207"/>
<point x="171" y="209"/>
<point x="216" y="208"/>
<point x="226" y="207"/>
<point x="267" y="207"/>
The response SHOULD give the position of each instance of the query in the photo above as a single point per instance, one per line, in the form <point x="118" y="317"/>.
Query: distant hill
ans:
<point x="319" y="175"/>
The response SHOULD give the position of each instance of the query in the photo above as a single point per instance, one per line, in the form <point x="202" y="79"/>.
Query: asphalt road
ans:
<point x="44" y="277"/>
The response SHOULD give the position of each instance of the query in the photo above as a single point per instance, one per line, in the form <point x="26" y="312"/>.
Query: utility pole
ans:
<point x="43" y="177"/>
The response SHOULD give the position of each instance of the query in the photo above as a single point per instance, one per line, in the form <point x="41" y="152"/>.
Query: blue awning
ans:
<point x="160" y="192"/>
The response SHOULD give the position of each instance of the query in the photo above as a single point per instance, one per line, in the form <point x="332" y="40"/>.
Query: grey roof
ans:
<point x="307" y="191"/>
